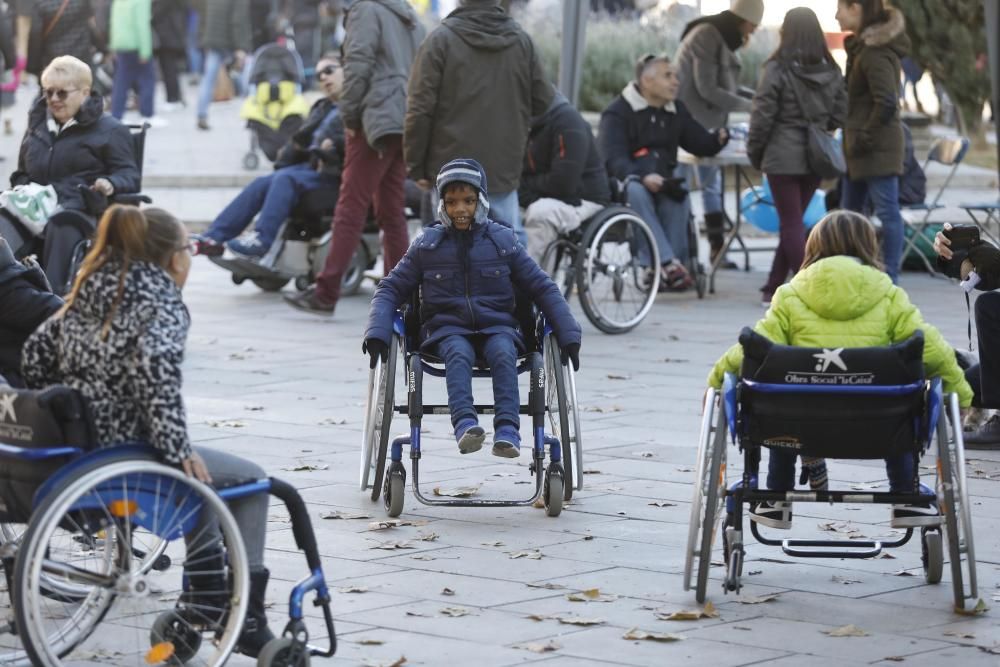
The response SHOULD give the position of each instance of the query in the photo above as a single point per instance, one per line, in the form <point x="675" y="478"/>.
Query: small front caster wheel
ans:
<point x="553" y="491"/>
<point x="251" y="161"/>
<point x="302" y="283"/>
<point x="932" y="555"/>
<point x="171" y="627"/>
<point x="283" y="652"/>
<point x="392" y="493"/>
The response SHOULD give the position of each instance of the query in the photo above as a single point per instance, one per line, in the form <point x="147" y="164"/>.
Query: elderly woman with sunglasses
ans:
<point x="85" y="154"/>
<point x="310" y="161"/>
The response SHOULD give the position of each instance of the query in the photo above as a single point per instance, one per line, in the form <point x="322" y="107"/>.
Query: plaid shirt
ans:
<point x="70" y="36"/>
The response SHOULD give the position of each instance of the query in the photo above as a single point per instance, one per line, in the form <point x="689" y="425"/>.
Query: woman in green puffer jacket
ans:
<point x="841" y="298"/>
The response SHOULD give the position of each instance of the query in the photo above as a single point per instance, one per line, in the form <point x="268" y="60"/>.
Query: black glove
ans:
<point x="571" y="353"/>
<point x="674" y="188"/>
<point x="377" y="349"/>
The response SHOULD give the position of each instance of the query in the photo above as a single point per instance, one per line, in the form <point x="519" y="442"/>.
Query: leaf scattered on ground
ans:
<point x="353" y="589"/>
<point x="992" y="650"/>
<point x="645" y="455"/>
<point x="863" y="486"/>
<point x="370" y="642"/>
<point x="603" y="409"/>
<point x="492" y="544"/>
<point x="757" y="599"/>
<point x="530" y="555"/>
<point x="708" y="611"/>
<point x="684" y="469"/>
<point x="427" y="537"/>
<point x="895" y="658"/>
<point x="307" y="467"/>
<point x="540" y="647"/>
<point x="592" y="471"/>
<point x="591" y="595"/>
<point x="455" y="612"/>
<point x="343" y="515"/>
<point x="369" y="662"/>
<point x="578" y="620"/>
<point x="447" y="591"/>
<point x="393" y="545"/>
<point x="637" y="634"/>
<point x="960" y="635"/>
<point x="395" y="523"/>
<point x="662" y="503"/>
<point x="887" y="556"/>
<point x="847" y="581"/>
<point x="332" y="421"/>
<point x="751" y="573"/>
<point x="549" y="586"/>
<point x="842" y="527"/>
<point x="458" y="492"/>
<point x="846" y="631"/>
<point x="417" y="613"/>
<point x="423" y="557"/>
<point x="619" y="376"/>
<point x="229" y="423"/>
<point x="253" y="408"/>
<point x="980" y="608"/>
<point x="903" y="573"/>
<point x="503" y="474"/>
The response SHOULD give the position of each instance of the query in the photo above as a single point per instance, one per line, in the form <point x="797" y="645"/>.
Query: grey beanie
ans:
<point x="748" y="10"/>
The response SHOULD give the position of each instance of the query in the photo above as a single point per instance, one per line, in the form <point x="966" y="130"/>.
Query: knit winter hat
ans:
<point x="463" y="170"/>
<point x="748" y="10"/>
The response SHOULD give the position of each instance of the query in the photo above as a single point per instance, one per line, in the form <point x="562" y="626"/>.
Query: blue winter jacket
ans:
<point x="468" y="281"/>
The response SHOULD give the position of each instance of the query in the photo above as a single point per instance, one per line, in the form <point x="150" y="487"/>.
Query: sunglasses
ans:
<point x="58" y="93"/>
<point x="327" y="71"/>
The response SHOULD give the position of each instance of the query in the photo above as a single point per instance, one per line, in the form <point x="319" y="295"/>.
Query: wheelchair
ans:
<point x="860" y="403"/>
<point x="551" y="397"/>
<point x="113" y="536"/>
<point x="602" y="260"/>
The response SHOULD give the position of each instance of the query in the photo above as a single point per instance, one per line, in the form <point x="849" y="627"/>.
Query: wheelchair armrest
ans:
<point x="131" y="199"/>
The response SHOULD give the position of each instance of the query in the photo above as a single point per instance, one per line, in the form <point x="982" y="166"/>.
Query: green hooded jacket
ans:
<point x="839" y="302"/>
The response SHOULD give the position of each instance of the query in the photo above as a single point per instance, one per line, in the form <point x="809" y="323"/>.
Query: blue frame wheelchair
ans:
<point x="551" y="397"/>
<point x="872" y="404"/>
<point x="113" y="536"/>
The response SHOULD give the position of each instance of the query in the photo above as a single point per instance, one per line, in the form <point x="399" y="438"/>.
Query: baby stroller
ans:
<point x="275" y="108"/>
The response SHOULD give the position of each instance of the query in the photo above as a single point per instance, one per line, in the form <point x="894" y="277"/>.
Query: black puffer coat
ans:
<point x="304" y="147"/>
<point x="131" y="377"/>
<point x="96" y="146"/>
<point x="25" y="302"/>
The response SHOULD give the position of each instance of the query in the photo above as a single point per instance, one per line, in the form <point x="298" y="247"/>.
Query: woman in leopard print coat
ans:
<point x="119" y="340"/>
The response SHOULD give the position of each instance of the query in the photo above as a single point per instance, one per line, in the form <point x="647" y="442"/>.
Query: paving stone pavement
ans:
<point x="286" y="388"/>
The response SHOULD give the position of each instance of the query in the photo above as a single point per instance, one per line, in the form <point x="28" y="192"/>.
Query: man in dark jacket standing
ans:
<point x="26" y="300"/>
<point x="476" y="84"/>
<point x="382" y="37"/>
<point x="639" y="136"/>
<point x="225" y="34"/>
<point x="564" y="181"/>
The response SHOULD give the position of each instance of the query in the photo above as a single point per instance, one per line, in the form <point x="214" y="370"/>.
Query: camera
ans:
<point x="963" y="238"/>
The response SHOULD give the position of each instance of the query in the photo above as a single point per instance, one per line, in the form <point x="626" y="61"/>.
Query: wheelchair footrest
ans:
<point x="443" y="409"/>
<point x="831" y="548"/>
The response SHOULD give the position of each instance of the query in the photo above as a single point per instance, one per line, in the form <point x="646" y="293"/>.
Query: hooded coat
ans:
<point x="476" y="84"/>
<point x="26" y="300"/>
<point x="562" y="160"/>
<point x="839" y="302"/>
<point x="225" y="24"/>
<point x="95" y="146"/>
<point x="709" y="70"/>
<point x="779" y="130"/>
<point x="132" y="376"/>
<point x="381" y="42"/>
<point x="873" y="136"/>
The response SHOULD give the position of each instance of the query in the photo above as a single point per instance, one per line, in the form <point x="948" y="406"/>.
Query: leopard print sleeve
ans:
<point x="159" y="353"/>
<point x="39" y="357"/>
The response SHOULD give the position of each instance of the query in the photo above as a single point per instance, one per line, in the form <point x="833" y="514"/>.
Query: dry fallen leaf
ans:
<point x="394" y="523"/>
<point x="645" y="455"/>
<point x="845" y="528"/>
<point x="592" y="471"/>
<point x="846" y="631"/>
<point x="343" y="515"/>
<point x="427" y="537"/>
<point x="417" y="613"/>
<point x="578" y="620"/>
<point x="547" y="586"/>
<point x="492" y="544"/>
<point x="992" y="650"/>
<point x="353" y="589"/>
<point x="370" y="662"/>
<point x="423" y="557"/>
<point x="662" y="503"/>
<point x="538" y="647"/>
<point x="903" y="573"/>
<point x="618" y="376"/>
<point x="459" y="492"/>
<point x="591" y="595"/>
<point x="392" y="545"/>
<point x="332" y="421"/>
<point x="370" y="642"/>
<point x="232" y="423"/>
<point x="708" y="611"/>
<point x="447" y="591"/>
<point x="253" y="408"/>
<point x="530" y="555"/>
<point x="455" y="612"/>
<point x="757" y="599"/>
<point x="636" y="633"/>
<point x="306" y="467"/>
<point x="837" y="579"/>
<point x="980" y="608"/>
<point x="685" y="469"/>
<point x="864" y="487"/>
<point x="962" y="635"/>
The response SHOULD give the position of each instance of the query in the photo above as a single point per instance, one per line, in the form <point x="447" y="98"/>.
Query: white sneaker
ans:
<point x="774" y="514"/>
<point x="170" y="107"/>
<point x="155" y="121"/>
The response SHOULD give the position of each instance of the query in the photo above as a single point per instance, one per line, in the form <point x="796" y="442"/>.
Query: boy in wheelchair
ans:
<point x="842" y="298"/>
<point x="468" y="268"/>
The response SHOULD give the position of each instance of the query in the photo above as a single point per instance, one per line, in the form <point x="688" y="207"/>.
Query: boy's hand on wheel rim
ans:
<point x="377" y="349"/>
<point x="571" y="353"/>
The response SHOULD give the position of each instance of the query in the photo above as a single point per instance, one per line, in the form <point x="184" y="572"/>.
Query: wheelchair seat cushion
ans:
<point x="833" y="403"/>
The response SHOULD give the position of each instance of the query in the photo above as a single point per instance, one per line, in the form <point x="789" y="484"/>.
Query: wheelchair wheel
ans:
<point x="564" y="414"/>
<point x="708" y="499"/>
<point x="12" y="653"/>
<point x="81" y="537"/>
<point x="270" y="284"/>
<point x="355" y="272"/>
<point x="615" y="290"/>
<point x="932" y="555"/>
<point x="279" y="652"/>
<point x="953" y="501"/>
<point x="378" y="417"/>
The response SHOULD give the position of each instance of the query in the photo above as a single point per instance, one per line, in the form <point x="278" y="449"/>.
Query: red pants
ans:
<point x="369" y="177"/>
<point x="792" y="195"/>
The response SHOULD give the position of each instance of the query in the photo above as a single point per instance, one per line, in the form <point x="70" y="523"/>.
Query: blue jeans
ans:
<point x="781" y="471"/>
<point x="668" y="220"/>
<point x="883" y="191"/>
<point x="214" y="60"/>
<point x="195" y="57"/>
<point x="500" y="352"/>
<point x="129" y="73"/>
<point x="504" y="206"/>
<point x="273" y="196"/>
<point x="711" y="186"/>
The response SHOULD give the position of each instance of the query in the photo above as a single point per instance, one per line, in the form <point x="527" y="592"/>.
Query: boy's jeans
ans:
<point x="883" y="191"/>
<point x="781" y="471"/>
<point x="500" y="352"/>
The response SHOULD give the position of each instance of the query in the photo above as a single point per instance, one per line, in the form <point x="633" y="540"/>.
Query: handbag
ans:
<point x="824" y="154"/>
<point x="36" y="40"/>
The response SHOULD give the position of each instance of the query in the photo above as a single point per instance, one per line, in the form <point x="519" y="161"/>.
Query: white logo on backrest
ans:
<point x="7" y="406"/>
<point x="827" y="357"/>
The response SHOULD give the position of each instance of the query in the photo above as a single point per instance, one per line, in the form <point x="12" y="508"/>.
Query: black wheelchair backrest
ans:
<point x="52" y="417"/>
<point x="863" y="403"/>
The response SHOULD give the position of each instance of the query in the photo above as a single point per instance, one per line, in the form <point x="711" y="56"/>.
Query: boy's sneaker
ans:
<point x="470" y="436"/>
<point x="248" y="246"/>
<point x="775" y="514"/>
<point x="675" y="278"/>
<point x="986" y="436"/>
<point x="207" y="247"/>
<point x="507" y="442"/>
<point x="913" y="516"/>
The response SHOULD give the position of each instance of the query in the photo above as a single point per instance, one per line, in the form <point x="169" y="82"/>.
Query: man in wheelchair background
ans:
<point x="563" y="181"/>
<point x="841" y="298"/>
<point x="119" y="341"/>
<point x="85" y="154"/>
<point x="311" y="161"/>
<point x="468" y="268"/>
<point x="639" y="135"/>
